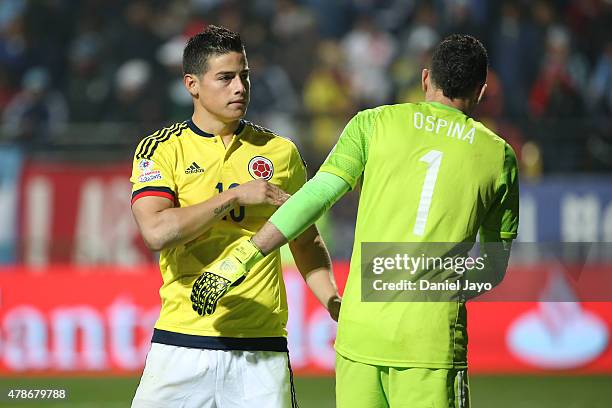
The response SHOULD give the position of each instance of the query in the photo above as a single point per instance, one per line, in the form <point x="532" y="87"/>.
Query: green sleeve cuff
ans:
<point x="329" y="169"/>
<point x="308" y="204"/>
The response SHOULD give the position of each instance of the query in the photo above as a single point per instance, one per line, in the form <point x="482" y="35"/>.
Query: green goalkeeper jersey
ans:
<point x="429" y="174"/>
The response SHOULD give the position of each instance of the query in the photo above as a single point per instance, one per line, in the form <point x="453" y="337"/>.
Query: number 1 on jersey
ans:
<point x="433" y="159"/>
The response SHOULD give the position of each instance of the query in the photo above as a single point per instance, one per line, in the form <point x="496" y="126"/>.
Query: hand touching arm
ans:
<point x="163" y="226"/>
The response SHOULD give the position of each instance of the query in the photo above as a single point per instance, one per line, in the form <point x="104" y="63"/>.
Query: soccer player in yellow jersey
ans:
<point x="202" y="188"/>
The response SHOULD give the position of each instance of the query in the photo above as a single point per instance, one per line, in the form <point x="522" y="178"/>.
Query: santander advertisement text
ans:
<point x="99" y="320"/>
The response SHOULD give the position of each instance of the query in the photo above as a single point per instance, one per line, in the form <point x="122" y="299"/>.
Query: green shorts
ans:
<point x="360" y="385"/>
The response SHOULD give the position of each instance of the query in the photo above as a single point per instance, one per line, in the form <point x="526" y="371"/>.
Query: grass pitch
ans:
<point x="487" y="392"/>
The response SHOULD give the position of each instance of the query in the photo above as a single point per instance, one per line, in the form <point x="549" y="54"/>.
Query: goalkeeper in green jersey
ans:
<point x="430" y="173"/>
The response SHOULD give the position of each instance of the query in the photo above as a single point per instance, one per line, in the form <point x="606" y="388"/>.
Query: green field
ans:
<point x="487" y="392"/>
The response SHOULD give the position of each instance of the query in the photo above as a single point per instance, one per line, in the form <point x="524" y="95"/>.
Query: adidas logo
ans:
<point x="194" y="168"/>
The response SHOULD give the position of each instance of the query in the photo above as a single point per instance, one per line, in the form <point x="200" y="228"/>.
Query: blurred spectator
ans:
<point x="49" y="34"/>
<point x="89" y="82"/>
<point x="513" y="58"/>
<point x="13" y="47"/>
<point x="291" y="20"/>
<point x="204" y="6"/>
<point x="588" y="20"/>
<point x="369" y="52"/>
<point x="543" y="17"/>
<point x="600" y="104"/>
<point x="416" y="55"/>
<point x="294" y="47"/>
<point x="136" y="99"/>
<point x="170" y="56"/>
<point x="531" y="162"/>
<point x="230" y="15"/>
<point x="425" y="15"/>
<point x="600" y="83"/>
<point x="557" y="97"/>
<point x="133" y="36"/>
<point x="7" y="88"/>
<point x="171" y="19"/>
<point x="274" y="101"/>
<point x="38" y="112"/>
<point x="417" y="42"/>
<point x="459" y="18"/>
<point x="333" y="17"/>
<point x="10" y="10"/>
<point x="557" y="90"/>
<point x="327" y="98"/>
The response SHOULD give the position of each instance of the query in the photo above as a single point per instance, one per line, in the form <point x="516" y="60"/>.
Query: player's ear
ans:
<point x="191" y="84"/>
<point x="482" y="92"/>
<point x="425" y="79"/>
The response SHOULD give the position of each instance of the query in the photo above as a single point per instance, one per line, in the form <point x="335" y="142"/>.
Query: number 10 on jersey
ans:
<point x="235" y="217"/>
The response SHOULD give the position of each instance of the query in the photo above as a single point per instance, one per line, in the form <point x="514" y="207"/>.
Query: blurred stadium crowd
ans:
<point x="67" y="66"/>
<point x="85" y="80"/>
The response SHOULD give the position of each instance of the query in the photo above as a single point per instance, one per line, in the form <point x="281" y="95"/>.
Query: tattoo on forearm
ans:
<point x="220" y="209"/>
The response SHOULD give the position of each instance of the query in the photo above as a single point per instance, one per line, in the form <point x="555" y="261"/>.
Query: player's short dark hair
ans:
<point x="459" y="65"/>
<point x="213" y="40"/>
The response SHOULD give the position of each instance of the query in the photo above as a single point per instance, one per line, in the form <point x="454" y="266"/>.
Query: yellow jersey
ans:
<point x="189" y="166"/>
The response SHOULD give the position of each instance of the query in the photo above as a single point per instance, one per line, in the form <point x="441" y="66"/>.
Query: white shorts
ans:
<point x="184" y="377"/>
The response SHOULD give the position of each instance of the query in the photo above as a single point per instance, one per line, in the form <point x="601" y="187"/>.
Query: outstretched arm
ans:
<point x="300" y="211"/>
<point x="310" y="254"/>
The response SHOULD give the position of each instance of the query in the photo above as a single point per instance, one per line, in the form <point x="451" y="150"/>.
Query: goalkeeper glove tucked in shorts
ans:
<point x="222" y="276"/>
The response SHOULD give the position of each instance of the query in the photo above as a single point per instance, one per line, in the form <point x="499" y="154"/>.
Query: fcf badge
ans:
<point x="261" y="168"/>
